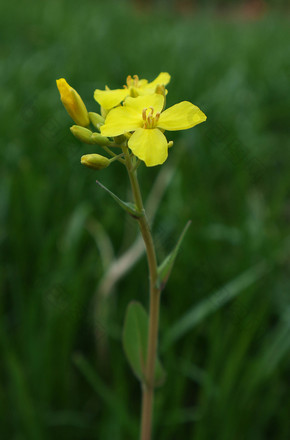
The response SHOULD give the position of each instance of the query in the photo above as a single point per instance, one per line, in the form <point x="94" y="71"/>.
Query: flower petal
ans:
<point x="181" y="116"/>
<point x="110" y="98"/>
<point x="146" y="101"/>
<point x="149" y="145"/>
<point x="162" y="78"/>
<point x="121" y="120"/>
<point x="142" y="82"/>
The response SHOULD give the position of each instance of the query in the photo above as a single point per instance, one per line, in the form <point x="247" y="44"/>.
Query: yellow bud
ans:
<point x="96" y="119"/>
<point x="95" y="161"/>
<point x="73" y="103"/>
<point x="170" y="144"/>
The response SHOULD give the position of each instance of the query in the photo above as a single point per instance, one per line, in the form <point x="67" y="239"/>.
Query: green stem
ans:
<point x="115" y="156"/>
<point x="148" y="386"/>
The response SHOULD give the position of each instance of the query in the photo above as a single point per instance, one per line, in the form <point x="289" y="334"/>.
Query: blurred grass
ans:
<point x="227" y="375"/>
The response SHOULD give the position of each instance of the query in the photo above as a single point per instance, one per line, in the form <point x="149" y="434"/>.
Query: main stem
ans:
<point x="148" y="385"/>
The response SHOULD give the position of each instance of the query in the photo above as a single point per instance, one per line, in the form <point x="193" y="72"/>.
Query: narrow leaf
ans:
<point x="127" y="206"/>
<point x="166" y="266"/>
<point x="135" y="335"/>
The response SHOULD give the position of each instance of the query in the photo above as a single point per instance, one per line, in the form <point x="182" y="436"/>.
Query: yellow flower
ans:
<point x="135" y="87"/>
<point x="73" y="103"/>
<point x="144" y="117"/>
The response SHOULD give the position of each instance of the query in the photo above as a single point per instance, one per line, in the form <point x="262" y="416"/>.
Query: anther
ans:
<point x="136" y="80"/>
<point x="144" y="113"/>
<point x="129" y="80"/>
<point x="151" y="112"/>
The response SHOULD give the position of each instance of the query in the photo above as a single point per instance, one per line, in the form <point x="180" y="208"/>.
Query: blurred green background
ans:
<point x="225" y="324"/>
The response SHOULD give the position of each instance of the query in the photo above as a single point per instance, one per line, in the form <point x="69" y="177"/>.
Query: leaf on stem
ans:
<point x="135" y="342"/>
<point x="127" y="206"/>
<point x="166" y="266"/>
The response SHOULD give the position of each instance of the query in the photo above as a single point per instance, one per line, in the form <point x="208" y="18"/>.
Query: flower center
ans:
<point x="150" y="121"/>
<point x="132" y="82"/>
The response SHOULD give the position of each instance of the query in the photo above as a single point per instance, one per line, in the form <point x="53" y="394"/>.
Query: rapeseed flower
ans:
<point x="144" y="117"/>
<point x="134" y="87"/>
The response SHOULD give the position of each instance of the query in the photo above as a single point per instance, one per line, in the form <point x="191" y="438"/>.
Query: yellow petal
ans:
<point x="110" y="98"/>
<point x="121" y="120"/>
<point x="149" y="145"/>
<point x="162" y="78"/>
<point x="146" y="101"/>
<point x="142" y="82"/>
<point x="181" y="116"/>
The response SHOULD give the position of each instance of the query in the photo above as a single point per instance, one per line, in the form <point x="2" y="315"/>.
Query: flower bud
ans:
<point x="88" y="137"/>
<point x="95" y="161"/>
<point x="83" y="134"/>
<point x="104" y="112"/>
<point x="97" y="138"/>
<point x="73" y="103"/>
<point x="96" y="119"/>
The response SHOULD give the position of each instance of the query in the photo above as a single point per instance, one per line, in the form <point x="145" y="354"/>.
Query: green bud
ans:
<point x="82" y="133"/>
<point x="88" y="137"/>
<point x="104" y="112"/>
<point x="96" y="119"/>
<point x="95" y="161"/>
<point x="100" y="140"/>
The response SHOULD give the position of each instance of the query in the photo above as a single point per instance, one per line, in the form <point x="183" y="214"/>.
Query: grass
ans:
<point x="225" y="318"/>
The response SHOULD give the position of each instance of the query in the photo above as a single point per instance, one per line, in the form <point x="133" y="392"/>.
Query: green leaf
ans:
<point x="166" y="266"/>
<point x="127" y="206"/>
<point x="135" y="335"/>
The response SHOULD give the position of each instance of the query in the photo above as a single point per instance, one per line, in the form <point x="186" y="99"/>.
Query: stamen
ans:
<point x="150" y="121"/>
<point x="151" y="112"/>
<point x="129" y="80"/>
<point x="136" y="80"/>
